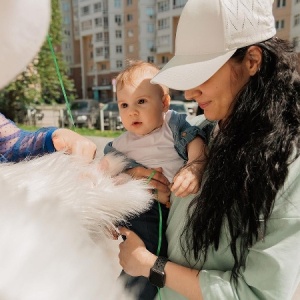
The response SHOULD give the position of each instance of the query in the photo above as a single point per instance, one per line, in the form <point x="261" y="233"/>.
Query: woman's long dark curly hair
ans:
<point x="249" y="158"/>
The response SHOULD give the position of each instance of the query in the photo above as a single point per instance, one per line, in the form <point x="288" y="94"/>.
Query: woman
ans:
<point x="239" y="238"/>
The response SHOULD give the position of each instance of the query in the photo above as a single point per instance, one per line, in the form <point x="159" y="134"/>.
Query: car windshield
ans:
<point x="178" y="107"/>
<point x="112" y="106"/>
<point x="80" y="105"/>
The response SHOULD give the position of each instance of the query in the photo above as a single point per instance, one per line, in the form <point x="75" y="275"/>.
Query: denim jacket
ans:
<point x="184" y="128"/>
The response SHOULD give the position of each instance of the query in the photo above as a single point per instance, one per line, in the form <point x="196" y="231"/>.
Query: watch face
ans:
<point x="157" y="278"/>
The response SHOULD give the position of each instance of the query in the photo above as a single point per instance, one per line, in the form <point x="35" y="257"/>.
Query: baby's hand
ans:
<point x="187" y="181"/>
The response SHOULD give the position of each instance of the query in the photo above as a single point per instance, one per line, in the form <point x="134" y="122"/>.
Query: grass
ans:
<point x="81" y="131"/>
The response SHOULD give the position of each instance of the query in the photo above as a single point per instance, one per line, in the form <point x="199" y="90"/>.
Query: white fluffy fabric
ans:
<point x="50" y="208"/>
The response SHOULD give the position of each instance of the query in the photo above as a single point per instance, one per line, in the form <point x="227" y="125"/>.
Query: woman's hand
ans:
<point x="134" y="258"/>
<point x="158" y="182"/>
<point x="73" y="143"/>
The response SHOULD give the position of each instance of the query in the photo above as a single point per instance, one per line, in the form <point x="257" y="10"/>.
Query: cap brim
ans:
<point x="23" y="29"/>
<point x="185" y="72"/>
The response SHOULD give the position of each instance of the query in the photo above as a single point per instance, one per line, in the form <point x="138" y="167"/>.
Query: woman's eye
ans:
<point x="141" y="101"/>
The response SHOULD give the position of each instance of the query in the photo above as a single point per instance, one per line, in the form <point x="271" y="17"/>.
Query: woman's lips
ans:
<point x="204" y="104"/>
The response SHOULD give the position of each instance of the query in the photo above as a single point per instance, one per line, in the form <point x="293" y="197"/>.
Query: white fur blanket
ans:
<point x="54" y="215"/>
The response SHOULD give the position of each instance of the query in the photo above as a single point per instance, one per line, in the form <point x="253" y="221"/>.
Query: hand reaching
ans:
<point x="73" y="143"/>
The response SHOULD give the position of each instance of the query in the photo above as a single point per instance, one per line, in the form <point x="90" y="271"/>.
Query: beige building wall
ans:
<point x="282" y="10"/>
<point x="131" y="29"/>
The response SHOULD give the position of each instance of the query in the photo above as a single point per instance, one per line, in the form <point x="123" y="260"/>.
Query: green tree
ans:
<point x="18" y="95"/>
<point x="50" y="84"/>
<point x="39" y="82"/>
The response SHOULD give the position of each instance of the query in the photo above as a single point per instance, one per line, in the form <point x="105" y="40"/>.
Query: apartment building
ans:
<point x="101" y="35"/>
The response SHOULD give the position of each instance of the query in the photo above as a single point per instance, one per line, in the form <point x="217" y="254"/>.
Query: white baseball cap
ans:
<point x="23" y="28"/>
<point x="208" y="34"/>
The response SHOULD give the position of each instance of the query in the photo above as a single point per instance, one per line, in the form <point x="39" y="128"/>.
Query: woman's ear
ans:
<point x="166" y="102"/>
<point x="253" y="60"/>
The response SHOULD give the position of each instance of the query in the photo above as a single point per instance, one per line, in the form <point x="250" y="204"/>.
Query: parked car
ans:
<point x="85" y="113"/>
<point x="112" y="119"/>
<point x="192" y="105"/>
<point x="179" y="106"/>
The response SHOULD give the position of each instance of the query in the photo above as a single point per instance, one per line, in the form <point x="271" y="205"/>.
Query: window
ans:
<point x="117" y="3"/>
<point x="99" y="51"/>
<point x="129" y="17"/>
<point x="97" y="7"/>
<point x="281" y="3"/>
<point x="106" y="52"/>
<point x="119" y="49"/>
<point x="297" y="1"/>
<point x="296" y="42"/>
<point x="150" y="11"/>
<point x="118" y="19"/>
<point x="179" y="3"/>
<point x="279" y="24"/>
<point x="163" y="24"/>
<point x="150" y="27"/>
<point x="151" y="46"/>
<point x="99" y="37"/>
<point x="86" y="25"/>
<point x="129" y="2"/>
<point x="67" y="20"/>
<point x="98" y="22"/>
<point x="297" y="20"/>
<point x="85" y="10"/>
<point x="119" y="64"/>
<point x="150" y="59"/>
<point x="130" y="33"/>
<point x="163" y="40"/>
<point x="118" y="34"/>
<point x="163" y="6"/>
<point x="164" y="59"/>
<point x="131" y="48"/>
<point x="66" y="6"/>
<point x="105" y="22"/>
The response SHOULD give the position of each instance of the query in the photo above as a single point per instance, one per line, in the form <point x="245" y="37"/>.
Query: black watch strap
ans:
<point x="157" y="273"/>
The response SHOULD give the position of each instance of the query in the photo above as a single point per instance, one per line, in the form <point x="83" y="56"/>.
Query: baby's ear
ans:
<point x="166" y="102"/>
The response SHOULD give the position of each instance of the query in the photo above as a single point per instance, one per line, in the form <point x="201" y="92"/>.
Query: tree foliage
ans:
<point x="51" y="88"/>
<point x="40" y="82"/>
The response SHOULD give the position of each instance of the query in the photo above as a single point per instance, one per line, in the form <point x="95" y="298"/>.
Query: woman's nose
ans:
<point x="191" y="94"/>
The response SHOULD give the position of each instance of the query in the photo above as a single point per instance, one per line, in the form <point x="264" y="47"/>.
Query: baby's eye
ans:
<point x="123" y="105"/>
<point x="141" y="101"/>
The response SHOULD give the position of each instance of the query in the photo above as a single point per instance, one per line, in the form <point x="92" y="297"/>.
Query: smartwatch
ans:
<point x="157" y="273"/>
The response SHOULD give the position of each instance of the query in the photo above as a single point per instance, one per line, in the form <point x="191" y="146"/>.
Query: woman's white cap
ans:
<point x="208" y="34"/>
<point x="23" y="28"/>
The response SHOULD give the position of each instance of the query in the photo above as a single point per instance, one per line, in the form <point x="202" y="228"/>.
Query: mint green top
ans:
<point x="272" y="269"/>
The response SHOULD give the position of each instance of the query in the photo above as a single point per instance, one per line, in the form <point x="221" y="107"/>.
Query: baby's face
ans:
<point x="141" y="105"/>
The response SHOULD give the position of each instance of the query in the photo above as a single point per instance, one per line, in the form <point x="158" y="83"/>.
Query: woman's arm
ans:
<point x="136" y="260"/>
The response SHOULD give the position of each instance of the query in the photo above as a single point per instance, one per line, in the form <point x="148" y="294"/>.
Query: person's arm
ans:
<point x="17" y="144"/>
<point x="136" y="260"/>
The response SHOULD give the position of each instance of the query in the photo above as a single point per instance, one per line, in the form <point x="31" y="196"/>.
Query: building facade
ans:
<point x="102" y="35"/>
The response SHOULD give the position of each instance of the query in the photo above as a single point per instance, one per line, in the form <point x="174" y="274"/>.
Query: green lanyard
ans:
<point x="60" y="80"/>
